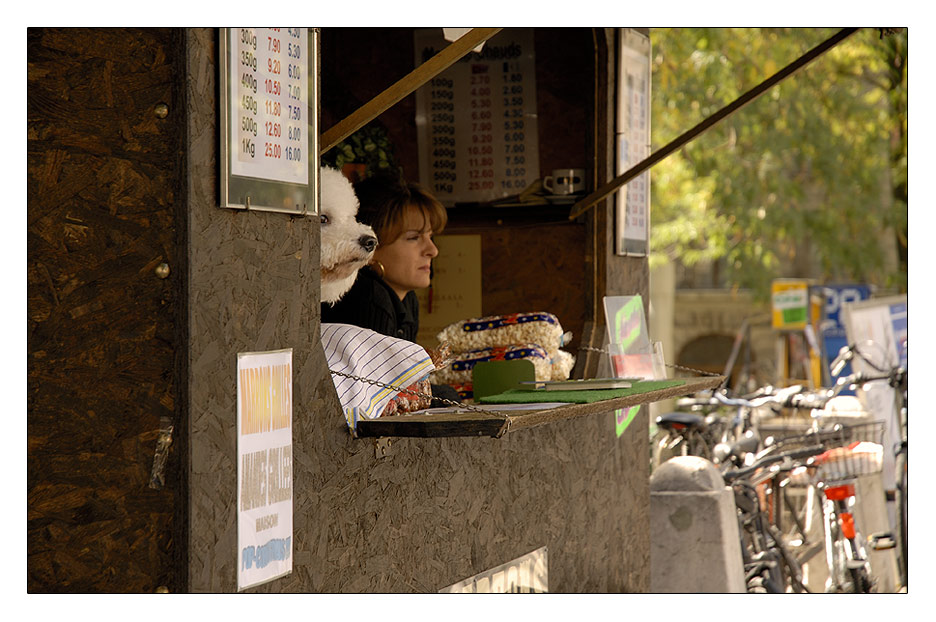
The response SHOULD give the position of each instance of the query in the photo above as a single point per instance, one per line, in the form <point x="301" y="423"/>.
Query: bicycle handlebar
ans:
<point x="794" y="454"/>
<point x="895" y="378"/>
<point x="849" y="352"/>
<point x="789" y="397"/>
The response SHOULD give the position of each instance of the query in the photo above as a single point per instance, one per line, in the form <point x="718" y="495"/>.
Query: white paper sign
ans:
<point x="525" y="575"/>
<point x="264" y="466"/>
<point x="269" y="136"/>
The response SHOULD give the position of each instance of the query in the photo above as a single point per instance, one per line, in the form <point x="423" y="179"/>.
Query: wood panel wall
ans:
<point x="432" y="511"/>
<point x="104" y="191"/>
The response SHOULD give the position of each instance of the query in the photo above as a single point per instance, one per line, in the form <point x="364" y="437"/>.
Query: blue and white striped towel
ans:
<point x="367" y="354"/>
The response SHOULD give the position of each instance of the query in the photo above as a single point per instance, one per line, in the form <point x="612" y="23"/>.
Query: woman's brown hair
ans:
<point x="384" y="201"/>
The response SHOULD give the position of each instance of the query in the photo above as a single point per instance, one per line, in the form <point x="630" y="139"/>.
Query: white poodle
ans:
<point x="347" y="245"/>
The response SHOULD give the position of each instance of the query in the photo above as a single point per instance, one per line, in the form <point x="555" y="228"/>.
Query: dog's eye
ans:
<point x="323" y="219"/>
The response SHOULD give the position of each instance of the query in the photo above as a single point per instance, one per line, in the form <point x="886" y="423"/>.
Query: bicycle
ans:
<point x="769" y="564"/>
<point x="897" y="379"/>
<point x="684" y="433"/>
<point x="857" y="451"/>
<point x="828" y="461"/>
<point x="712" y="433"/>
<point x="854" y="450"/>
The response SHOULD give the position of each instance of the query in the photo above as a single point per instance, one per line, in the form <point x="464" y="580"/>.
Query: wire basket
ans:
<point x="844" y="450"/>
<point x="851" y="450"/>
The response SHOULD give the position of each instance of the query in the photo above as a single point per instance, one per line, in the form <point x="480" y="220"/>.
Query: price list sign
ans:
<point x="268" y="124"/>
<point x="476" y="121"/>
<point x="633" y="142"/>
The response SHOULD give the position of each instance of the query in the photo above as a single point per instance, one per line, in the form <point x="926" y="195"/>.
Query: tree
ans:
<point x="799" y="183"/>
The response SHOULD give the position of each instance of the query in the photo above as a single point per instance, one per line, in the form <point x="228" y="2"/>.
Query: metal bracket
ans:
<point x="157" y="475"/>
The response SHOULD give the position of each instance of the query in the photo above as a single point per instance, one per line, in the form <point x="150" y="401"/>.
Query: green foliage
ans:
<point x="370" y="146"/>
<point x="809" y="167"/>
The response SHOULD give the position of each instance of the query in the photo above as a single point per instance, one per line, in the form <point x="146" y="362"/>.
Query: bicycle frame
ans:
<point x="769" y="565"/>
<point x="846" y="557"/>
<point x="896" y="377"/>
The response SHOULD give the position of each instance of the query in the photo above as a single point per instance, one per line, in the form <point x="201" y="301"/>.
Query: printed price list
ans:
<point x="635" y="147"/>
<point x="633" y="204"/>
<point x="269" y="96"/>
<point x="476" y="121"/>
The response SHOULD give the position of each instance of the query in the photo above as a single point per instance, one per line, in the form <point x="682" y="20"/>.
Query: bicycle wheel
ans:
<point x="861" y="582"/>
<point x="836" y="559"/>
<point x="901" y="466"/>
<point x="848" y="570"/>
<point x="790" y="566"/>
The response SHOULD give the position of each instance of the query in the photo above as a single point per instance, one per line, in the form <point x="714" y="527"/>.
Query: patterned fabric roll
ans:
<point x="368" y="354"/>
<point x="539" y="328"/>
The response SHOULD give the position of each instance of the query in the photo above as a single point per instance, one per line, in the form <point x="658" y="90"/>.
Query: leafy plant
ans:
<point x="369" y="146"/>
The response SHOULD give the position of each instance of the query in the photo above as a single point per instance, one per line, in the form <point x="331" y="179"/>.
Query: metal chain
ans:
<point x="408" y="391"/>
<point x="701" y="372"/>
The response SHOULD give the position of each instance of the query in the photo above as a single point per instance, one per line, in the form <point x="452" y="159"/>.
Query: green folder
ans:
<point x="495" y="377"/>
<point x="526" y="396"/>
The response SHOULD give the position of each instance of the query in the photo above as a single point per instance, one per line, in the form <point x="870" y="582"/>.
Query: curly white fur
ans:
<point x="347" y="245"/>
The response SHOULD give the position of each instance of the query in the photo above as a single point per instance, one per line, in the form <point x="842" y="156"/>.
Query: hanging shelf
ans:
<point x="495" y="423"/>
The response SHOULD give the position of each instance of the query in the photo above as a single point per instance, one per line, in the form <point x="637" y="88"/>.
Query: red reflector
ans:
<point x="848" y="524"/>
<point x="678" y="426"/>
<point x="840" y="493"/>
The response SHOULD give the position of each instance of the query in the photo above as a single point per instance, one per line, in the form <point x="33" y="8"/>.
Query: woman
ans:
<point x="405" y="218"/>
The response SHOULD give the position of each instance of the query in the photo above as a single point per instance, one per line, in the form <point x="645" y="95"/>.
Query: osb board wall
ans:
<point x="431" y="512"/>
<point x="104" y="181"/>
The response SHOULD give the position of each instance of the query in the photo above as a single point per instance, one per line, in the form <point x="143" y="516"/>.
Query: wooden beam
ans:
<point x="586" y="203"/>
<point x="406" y="85"/>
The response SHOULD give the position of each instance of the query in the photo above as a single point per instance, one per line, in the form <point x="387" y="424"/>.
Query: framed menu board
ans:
<point x="633" y="142"/>
<point x="269" y="126"/>
<point x="476" y="121"/>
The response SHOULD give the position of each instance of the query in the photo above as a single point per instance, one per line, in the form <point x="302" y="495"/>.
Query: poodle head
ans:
<point x="347" y="245"/>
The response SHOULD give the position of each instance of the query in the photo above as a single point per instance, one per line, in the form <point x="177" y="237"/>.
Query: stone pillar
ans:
<point x="694" y="539"/>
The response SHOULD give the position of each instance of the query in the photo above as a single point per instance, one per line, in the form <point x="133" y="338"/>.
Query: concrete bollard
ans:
<point x="694" y="541"/>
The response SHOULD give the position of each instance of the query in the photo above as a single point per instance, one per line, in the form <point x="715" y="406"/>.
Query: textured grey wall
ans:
<point x="433" y="511"/>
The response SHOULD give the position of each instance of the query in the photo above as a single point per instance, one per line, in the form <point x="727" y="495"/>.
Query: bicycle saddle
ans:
<point x="680" y="420"/>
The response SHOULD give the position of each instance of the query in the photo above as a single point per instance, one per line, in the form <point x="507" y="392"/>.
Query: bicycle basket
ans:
<point x="853" y="450"/>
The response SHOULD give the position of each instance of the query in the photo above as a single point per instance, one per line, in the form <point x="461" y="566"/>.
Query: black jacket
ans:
<point x="371" y="303"/>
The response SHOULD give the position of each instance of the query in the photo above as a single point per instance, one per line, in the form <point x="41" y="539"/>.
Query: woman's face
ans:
<point x="408" y="259"/>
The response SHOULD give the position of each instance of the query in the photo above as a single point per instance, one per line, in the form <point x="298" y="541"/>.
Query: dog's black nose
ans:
<point x="367" y="242"/>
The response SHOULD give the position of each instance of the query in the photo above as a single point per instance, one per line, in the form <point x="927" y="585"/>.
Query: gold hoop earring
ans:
<point x="377" y="264"/>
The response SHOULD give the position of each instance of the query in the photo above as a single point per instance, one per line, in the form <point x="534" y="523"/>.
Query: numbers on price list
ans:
<point x="268" y="87"/>
<point x="442" y="129"/>
<point x="477" y="121"/>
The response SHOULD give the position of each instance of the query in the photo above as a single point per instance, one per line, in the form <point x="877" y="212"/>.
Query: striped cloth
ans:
<point x="367" y="354"/>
